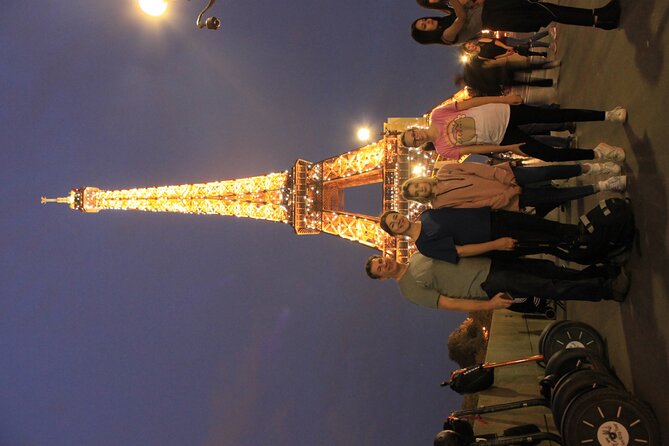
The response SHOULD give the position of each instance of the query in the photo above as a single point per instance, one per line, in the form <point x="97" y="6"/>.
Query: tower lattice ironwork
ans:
<point x="309" y="196"/>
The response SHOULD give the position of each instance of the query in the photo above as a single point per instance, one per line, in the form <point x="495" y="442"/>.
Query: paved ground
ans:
<point x="627" y="67"/>
<point x="630" y="67"/>
<point x="514" y="336"/>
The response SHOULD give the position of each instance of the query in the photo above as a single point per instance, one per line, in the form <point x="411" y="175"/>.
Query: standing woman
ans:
<point x="488" y="49"/>
<point x="449" y="234"/>
<point x="474" y="185"/>
<point x="509" y="15"/>
<point x="492" y="124"/>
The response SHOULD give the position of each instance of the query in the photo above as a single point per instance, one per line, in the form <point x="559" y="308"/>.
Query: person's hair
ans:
<point x="368" y="267"/>
<point x="384" y="224"/>
<point x="410" y="181"/>
<point x="434" y="36"/>
<point x="466" y="51"/>
<point x="441" y="4"/>
<point x="401" y="138"/>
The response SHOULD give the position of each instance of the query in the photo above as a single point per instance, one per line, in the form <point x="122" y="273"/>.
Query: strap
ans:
<point x="587" y="224"/>
<point x="605" y="208"/>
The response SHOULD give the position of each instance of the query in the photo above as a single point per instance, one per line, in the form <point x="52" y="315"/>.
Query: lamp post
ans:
<point x="364" y="134"/>
<point x="158" y="7"/>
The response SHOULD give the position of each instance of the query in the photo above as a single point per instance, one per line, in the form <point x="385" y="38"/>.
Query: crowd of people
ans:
<point x="473" y="239"/>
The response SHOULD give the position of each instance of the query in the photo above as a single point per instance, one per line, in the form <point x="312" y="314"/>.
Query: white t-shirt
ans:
<point x="484" y="124"/>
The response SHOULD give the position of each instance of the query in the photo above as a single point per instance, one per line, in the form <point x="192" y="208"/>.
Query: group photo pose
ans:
<point x="472" y="240"/>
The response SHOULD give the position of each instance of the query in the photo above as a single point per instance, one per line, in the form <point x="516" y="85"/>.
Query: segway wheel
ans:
<point x="572" y="334"/>
<point x="574" y="385"/>
<point x="605" y="417"/>
<point x="547" y="329"/>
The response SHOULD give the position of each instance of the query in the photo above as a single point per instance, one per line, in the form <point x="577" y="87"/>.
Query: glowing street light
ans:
<point x="153" y="7"/>
<point x="364" y="134"/>
<point x="158" y="7"/>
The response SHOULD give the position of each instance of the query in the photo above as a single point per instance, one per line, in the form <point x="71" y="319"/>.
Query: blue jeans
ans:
<point x="538" y="191"/>
<point x="533" y="40"/>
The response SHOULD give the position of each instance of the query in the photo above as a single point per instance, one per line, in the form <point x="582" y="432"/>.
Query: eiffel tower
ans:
<point x="309" y="196"/>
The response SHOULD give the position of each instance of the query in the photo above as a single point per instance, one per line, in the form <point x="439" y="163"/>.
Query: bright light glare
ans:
<point x="464" y="59"/>
<point x="364" y="134"/>
<point x="418" y="170"/>
<point x="153" y="7"/>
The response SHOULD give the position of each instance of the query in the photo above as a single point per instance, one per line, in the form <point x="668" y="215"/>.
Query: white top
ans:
<point x="485" y="124"/>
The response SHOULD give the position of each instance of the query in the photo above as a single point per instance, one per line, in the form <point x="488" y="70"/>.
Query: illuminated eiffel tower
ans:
<point x="309" y="196"/>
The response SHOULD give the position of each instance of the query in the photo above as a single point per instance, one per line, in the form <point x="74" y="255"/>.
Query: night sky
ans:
<point x="131" y="328"/>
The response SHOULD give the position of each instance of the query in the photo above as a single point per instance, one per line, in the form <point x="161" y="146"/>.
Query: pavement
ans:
<point x="602" y="69"/>
<point x="629" y="67"/>
<point x="514" y="336"/>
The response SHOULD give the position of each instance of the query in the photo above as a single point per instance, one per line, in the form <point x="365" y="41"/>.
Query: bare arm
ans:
<point x="483" y="100"/>
<point x="450" y="34"/>
<point x="498" y="301"/>
<point x="476" y="249"/>
<point x="502" y="45"/>
<point x="507" y="58"/>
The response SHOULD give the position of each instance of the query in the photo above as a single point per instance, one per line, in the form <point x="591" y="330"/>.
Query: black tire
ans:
<point x="547" y="329"/>
<point x="572" y="334"/>
<point x="566" y="361"/>
<point x="451" y="438"/>
<point x="575" y="384"/>
<point x="606" y="417"/>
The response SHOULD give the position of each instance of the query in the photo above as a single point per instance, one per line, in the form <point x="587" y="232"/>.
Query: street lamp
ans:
<point x="364" y="134"/>
<point x="158" y="7"/>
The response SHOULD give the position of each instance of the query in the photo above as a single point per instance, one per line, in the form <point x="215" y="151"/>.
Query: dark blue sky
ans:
<point x="152" y="329"/>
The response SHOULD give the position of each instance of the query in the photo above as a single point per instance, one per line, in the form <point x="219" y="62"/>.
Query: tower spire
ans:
<point x="65" y="200"/>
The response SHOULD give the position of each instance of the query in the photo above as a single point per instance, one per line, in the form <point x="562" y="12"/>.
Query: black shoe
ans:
<point x="608" y="16"/>
<point x="607" y="24"/>
<point x="620" y="286"/>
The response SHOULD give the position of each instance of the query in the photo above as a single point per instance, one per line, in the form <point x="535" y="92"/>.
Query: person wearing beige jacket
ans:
<point x="474" y="185"/>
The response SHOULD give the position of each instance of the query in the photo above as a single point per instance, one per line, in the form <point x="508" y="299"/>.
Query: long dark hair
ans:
<point x="441" y="4"/>
<point x="429" y="37"/>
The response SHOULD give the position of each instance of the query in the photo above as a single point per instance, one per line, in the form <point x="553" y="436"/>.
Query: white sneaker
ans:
<point x="613" y="184"/>
<point x="607" y="152"/>
<point x="618" y="114"/>
<point x="607" y="168"/>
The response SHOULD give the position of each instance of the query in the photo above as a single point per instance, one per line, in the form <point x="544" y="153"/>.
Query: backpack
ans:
<point x="606" y="231"/>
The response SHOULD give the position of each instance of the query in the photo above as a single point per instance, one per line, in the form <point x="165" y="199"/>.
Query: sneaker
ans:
<point x="607" y="168"/>
<point x="618" y="114"/>
<point x="620" y="286"/>
<point x="613" y="184"/>
<point x="607" y="152"/>
<point x="553" y="32"/>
